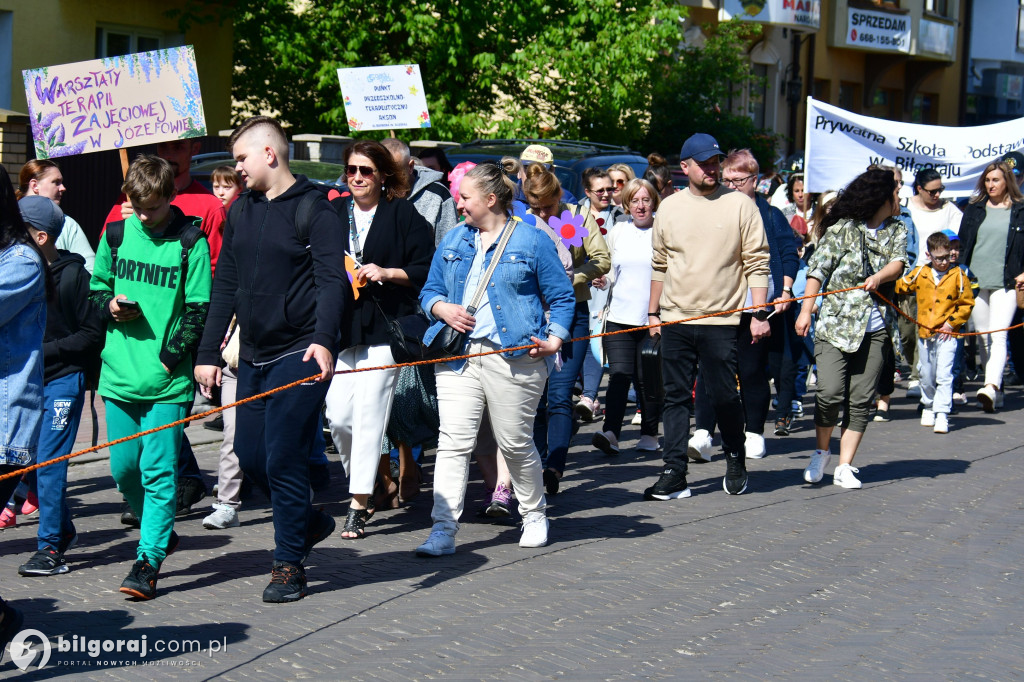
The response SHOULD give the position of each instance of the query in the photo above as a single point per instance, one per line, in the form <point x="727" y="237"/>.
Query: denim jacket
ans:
<point x="22" y="324"/>
<point x="529" y="271"/>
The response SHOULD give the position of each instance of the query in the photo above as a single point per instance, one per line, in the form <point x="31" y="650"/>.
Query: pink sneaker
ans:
<point x="8" y="518"/>
<point x="500" y="499"/>
<point x="31" y="505"/>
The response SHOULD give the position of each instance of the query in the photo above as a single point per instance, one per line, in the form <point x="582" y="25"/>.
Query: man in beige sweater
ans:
<point x="709" y="248"/>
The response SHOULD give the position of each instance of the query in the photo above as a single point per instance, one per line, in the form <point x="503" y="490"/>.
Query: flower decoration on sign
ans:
<point x="348" y="100"/>
<point x="413" y="90"/>
<point x="569" y="228"/>
<point x="355" y="124"/>
<point x="424" y="120"/>
<point x="409" y="70"/>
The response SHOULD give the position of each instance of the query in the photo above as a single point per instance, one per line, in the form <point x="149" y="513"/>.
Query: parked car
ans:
<point x="203" y="166"/>
<point x="571" y="157"/>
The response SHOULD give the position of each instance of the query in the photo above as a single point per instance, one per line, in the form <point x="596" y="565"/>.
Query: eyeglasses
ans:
<point x="736" y="182"/>
<point x="935" y="192"/>
<point x="365" y="171"/>
<point x="941" y="259"/>
<point x="602" y="190"/>
<point x="642" y="201"/>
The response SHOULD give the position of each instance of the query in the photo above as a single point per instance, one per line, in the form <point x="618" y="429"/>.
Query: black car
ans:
<point x="571" y="157"/>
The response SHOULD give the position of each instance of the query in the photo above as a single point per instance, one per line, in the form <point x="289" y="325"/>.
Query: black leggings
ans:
<point x="623" y="353"/>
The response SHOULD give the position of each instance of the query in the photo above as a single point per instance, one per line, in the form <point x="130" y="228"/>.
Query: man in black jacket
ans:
<point x="71" y="346"/>
<point x="287" y="287"/>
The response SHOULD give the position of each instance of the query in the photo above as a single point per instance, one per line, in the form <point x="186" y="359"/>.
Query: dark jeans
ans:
<point x="681" y="347"/>
<point x="784" y="350"/>
<point x="623" y="354"/>
<point x="552" y="429"/>
<point x="755" y="392"/>
<point x="273" y="438"/>
<point x="63" y="400"/>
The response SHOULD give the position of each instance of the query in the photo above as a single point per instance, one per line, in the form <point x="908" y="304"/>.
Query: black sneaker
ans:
<point x="782" y="425"/>
<point x="44" y="562"/>
<point x="128" y="517"/>
<point x="287" y="583"/>
<point x="735" y="481"/>
<point x="190" y="491"/>
<point x="141" y="580"/>
<point x="671" y="485"/>
<point x="215" y="424"/>
<point x="321" y="525"/>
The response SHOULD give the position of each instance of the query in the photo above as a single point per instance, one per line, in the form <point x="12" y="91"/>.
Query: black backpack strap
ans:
<point x="304" y="216"/>
<point x="115" y="237"/>
<point x="188" y="237"/>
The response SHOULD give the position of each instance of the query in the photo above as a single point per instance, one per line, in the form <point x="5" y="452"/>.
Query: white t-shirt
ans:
<point x="927" y="223"/>
<point x="875" y="321"/>
<point x="631" y="253"/>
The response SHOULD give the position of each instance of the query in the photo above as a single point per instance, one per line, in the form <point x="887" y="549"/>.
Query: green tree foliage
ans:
<point x="694" y="94"/>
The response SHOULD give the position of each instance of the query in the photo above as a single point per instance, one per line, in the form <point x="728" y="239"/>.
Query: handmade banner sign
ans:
<point x="840" y="145"/>
<point x="115" y="102"/>
<point x="384" y="97"/>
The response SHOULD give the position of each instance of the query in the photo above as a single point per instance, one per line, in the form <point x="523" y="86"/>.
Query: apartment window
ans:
<point x="885" y="104"/>
<point x="114" y="41"/>
<point x="925" y="109"/>
<point x="940" y="7"/>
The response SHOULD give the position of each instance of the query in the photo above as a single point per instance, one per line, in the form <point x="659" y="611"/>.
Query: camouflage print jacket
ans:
<point x="838" y="260"/>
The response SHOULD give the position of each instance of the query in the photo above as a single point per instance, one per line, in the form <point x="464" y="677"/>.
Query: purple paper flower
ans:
<point x="570" y="228"/>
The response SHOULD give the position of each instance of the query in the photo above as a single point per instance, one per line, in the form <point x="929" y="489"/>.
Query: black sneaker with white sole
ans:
<point x="287" y="583"/>
<point x="671" y="485"/>
<point x="44" y="562"/>
<point x="735" y="481"/>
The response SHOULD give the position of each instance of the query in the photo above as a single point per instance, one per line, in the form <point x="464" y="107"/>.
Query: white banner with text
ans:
<point x="840" y="145"/>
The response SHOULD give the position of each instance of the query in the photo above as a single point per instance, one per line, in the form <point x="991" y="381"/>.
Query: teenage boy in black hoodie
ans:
<point x="71" y="344"/>
<point x="289" y="293"/>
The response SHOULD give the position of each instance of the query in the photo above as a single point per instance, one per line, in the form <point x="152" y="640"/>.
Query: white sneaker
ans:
<point x="754" y="445"/>
<point x="796" y="408"/>
<point x="637" y="419"/>
<point x="606" y="442"/>
<point x="987" y="397"/>
<point x="816" y="469"/>
<point x="535" y="530"/>
<point x="585" y="409"/>
<point x="699" y="447"/>
<point x="960" y="399"/>
<point x="927" y="417"/>
<point x="941" y="423"/>
<point x="441" y="540"/>
<point x="914" y="389"/>
<point x="648" y="444"/>
<point x="844" y="477"/>
<point x="223" y="516"/>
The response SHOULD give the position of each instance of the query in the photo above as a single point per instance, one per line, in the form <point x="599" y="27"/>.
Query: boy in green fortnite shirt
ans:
<point x="156" y="292"/>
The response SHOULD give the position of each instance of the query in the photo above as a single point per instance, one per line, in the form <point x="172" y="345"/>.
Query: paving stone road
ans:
<point x="916" y="576"/>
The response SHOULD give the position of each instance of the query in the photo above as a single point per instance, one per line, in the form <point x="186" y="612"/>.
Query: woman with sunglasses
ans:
<point x="931" y="213"/>
<point x="504" y="386"/>
<point x="590" y="260"/>
<point x="992" y="246"/>
<point x="620" y="173"/>
<point x="391" y="244"/>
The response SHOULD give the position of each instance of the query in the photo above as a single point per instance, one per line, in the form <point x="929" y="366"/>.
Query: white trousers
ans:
<point x="358" y="409"/>
<point x="935" y="366"/>
<point x="509" y="389"/>
<point x="993" y="309"/>
<point x="229" y="473"/>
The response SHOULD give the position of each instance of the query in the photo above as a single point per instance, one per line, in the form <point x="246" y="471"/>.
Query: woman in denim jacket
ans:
<point x="511" y="314"/>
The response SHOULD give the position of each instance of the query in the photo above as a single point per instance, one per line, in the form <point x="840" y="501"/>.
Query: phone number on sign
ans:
<point x="885" y="41"/>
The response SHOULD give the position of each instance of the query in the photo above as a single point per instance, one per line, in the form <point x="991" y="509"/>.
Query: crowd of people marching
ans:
<point x="495" y="269"/>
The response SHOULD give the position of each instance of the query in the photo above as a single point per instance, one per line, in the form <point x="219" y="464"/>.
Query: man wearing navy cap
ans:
<point x="709" y="248"/>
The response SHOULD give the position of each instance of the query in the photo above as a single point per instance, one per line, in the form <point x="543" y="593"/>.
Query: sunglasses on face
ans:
<point x="937" y="191"/>
<point x="365" y="171"/>
<point x="603" y="190"/>
<point x="620" y="183"/>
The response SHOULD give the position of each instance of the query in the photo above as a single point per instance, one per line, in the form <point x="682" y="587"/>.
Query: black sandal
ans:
<point x="355" y="522"/>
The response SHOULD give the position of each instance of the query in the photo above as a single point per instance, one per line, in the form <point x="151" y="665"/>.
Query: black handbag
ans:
<point x="650" y="369"/>
<point x="405" y="334"/>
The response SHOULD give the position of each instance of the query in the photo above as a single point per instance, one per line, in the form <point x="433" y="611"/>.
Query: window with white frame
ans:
<point x="114" y="41"/>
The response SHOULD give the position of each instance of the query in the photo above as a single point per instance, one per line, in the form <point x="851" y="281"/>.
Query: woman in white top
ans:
<point x="630" y="244"/>
<point x="930" y="212"/>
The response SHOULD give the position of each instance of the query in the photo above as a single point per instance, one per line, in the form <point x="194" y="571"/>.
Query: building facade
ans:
<point x="995" y="64"/>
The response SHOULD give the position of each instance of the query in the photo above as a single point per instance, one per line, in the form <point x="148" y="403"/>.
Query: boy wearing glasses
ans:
<point x="944" y="304"/>
<point x="287" y="290"/>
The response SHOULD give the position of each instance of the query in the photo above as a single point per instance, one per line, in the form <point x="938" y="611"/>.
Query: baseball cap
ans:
<point x="700" y="147"/>
<point x="536" y="153"/>
<point x="953" y="236"/>
<point x="1015" y="160"/>
<point x="42" y="213"/>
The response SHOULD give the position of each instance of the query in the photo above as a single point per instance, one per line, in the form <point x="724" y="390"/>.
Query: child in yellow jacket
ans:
<point x="944" y="304"/>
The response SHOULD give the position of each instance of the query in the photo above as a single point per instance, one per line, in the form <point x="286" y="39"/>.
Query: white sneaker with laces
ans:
<point x="648" y="444"/>
<point x="927" y="417"/>
<point x="585" y="409"/>
<point x="960" y="399"/>
<point x="535" y="530"/>
<point x="816" y="469"/>
<point x="699" y="447"/>
<point x="987" y="397"/>
<point x="844" y="477"/>
<point x="754" y="445"/>
<point x="441" y="540"/>
<point x="223" y="516"/>
<point x="941" y="423"/>
<point x="914" y="389"/>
